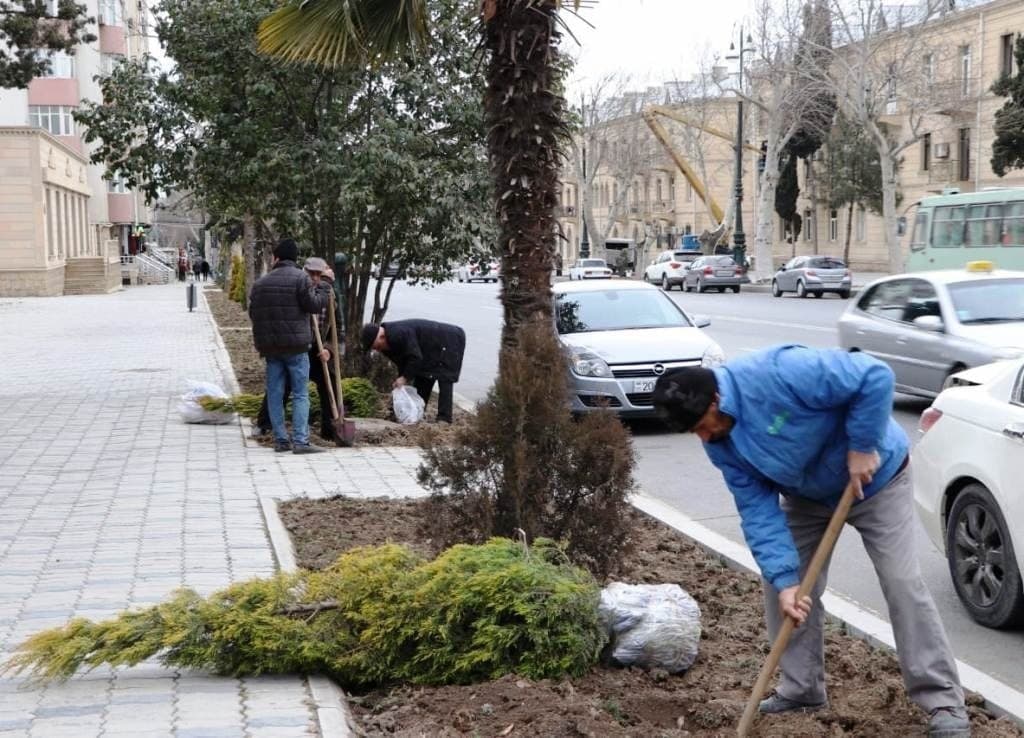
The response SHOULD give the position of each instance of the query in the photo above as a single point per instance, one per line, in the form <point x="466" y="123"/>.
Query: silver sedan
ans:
<point x="713" y="272"/>
<point x="929" y="325"/>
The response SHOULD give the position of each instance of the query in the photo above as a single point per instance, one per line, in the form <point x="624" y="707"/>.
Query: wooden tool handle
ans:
<point x="333" y="322"/>
<point x="821" y="554"/>
<point x="327" y="371"/>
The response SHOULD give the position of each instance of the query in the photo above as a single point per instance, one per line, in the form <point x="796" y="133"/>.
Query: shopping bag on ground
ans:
<point x="192" y="412"/>
<point x="408" y="405"/>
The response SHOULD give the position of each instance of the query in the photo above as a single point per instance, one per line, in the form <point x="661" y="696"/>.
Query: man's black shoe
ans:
<point x="306" y="448"/>
<point x="282" y="446"/>
<point x="776" y="703"/>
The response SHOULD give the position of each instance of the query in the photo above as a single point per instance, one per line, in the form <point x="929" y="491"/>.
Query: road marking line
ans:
<point x="801" y="326"/>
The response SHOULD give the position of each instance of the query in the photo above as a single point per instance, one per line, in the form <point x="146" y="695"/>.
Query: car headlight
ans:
<point x="589" y="364"/>
<point x="713" y="356"/>
<point x="1008" y="352"/>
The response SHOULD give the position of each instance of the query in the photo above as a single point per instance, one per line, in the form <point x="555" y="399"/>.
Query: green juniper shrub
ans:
<point x="379" y="615"/>
<point x="523" y="463"/>
<point x="360" y="397"/>
<point x="236" y="285"/>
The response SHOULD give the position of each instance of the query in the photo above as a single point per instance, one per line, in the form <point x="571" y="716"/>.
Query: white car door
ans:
<point x="1007" y="459"/>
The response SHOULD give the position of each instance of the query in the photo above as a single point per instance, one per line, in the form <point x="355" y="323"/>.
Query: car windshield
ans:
<point x="684" y="255"/>
<point x="593" y="263"/>
<point x="616" y="310"/>
<point x="988" y="300"/>
<point x="826" y="263"/>
<point x="721" y="261"/>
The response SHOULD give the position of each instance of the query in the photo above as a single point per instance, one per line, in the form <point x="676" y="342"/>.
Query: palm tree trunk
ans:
<point x="524" y="112"/>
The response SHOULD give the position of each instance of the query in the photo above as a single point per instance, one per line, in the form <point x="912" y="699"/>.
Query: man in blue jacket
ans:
<point x="788" y="427"/>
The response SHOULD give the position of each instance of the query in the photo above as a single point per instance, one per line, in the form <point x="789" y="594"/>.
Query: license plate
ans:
<point x="723" y="273"/>
<point x="643" y="385"/>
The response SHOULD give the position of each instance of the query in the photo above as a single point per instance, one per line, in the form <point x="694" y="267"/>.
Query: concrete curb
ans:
<point x="221" y="351"/>
<point x="768" y="288"/>
<point x="332" y="711"/>
<point x="1000" y="698"/>
<point x="463" y="403"/>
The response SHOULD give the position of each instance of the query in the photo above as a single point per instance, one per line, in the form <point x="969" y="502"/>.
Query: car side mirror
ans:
<point x="782" y="268"/>
<point x="701" y="321"/>
<point x="930" y="323"/>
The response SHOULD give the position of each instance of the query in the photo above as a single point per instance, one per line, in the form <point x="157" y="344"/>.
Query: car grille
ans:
<point x="641" y="399"/>
<point x="600" y="401"/>
<point x="626" y="371"/>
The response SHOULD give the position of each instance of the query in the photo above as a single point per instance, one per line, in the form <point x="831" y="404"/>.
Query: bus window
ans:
<point x="948" y="227"/>
<point x="984" y="223"/>
<point x="1013" y="225"/>
<point x="919" y="236"/>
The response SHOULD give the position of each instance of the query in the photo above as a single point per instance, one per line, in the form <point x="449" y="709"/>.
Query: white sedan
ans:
<point x="479" y="271"/>
<point x="589" y="269"/>
<point x="968" y="468"/>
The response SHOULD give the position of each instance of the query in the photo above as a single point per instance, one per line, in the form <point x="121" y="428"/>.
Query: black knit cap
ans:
<point x="683" y="395"/>
<point x="368" y="335"/>
<point x="286" y="250"/>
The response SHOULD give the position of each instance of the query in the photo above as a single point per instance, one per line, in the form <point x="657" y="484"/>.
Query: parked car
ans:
<point x="708" y="272"/>
<point x="668" y="269"/>
<point x="391" y="270"/>
<point x="968" y="467"/>
<point x="483" y="271"/>
<point x="812" y="275"/>
<point x="621" y="336"/>
<point x="930" y="325"/>
<point x="590" y="269"/>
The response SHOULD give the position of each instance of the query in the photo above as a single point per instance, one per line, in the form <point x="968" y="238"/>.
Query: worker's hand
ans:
<point x="862" y="469"/>
<point x="325" y="355"/>
<point x="400" y="382"/>
<point x="796" y="609"/>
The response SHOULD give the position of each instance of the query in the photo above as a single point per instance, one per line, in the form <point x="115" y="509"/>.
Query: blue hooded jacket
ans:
<point x="797" y="412"/>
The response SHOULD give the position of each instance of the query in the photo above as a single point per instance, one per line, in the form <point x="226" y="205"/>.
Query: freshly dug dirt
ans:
<point x="236" y="331"/>
<point x="866" y="691"/>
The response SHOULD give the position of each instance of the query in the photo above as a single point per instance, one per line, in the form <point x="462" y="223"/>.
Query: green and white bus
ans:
<point x="953" y="229"/>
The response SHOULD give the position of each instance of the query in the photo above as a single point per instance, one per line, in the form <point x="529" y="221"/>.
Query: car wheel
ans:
<point x="721" y="290"/>
<point x="981" y="559"/>
<point x="736" y="289"/>
<point x="776" y="292"/>
<point x="845" y="294"/>
<point x="817" y="295"/>
<point x="700" y="286"/>
<point x="664" y="283"/>
<point x="801" y="291"/>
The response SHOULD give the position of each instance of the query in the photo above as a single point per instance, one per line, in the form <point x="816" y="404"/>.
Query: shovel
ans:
<point x="821" y="554"/>
<point x="347" y="433"/>
<point x="342" y="435"/>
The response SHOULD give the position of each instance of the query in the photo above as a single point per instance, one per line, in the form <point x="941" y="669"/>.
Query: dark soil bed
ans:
<point x="236" y="331"/>
<point x="866" y="691"/>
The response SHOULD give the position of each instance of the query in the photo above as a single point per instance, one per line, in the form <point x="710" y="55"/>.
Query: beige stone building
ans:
<point x="970" y="49"/>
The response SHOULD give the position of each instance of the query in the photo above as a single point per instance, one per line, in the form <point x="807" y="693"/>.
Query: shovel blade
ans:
<point x="345" y="432"/>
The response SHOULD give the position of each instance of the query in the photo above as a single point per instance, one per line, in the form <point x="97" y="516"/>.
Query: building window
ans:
<point x="1006" y="55"/>
<point x="965" y="70"/>
<point x="965" y="154"/>
<point x="54" y="118"/>
<point x="890" y="82"/>
<point x="926" y="152"/>
<point x="928" y="64"/>
<point x="861" y="225"/>
<point x="658" y="187"/>
<point x="109" y="62"/>
<point x="833" y="225"/>
<point x="62" y="65"/>
<point x="672" y="189"/>
<point x="808" y="224"/>
<point x="111" y="13"/>
<point x="116" y="185"/>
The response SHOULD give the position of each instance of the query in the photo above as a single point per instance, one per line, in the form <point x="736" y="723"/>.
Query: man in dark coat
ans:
<point x="280" y="305"/>
<point x="424" y="352"/>
<point x="204" y="267"/>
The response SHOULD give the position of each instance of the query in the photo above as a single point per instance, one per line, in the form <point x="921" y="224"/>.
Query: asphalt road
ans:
<point x="674" y="468"/>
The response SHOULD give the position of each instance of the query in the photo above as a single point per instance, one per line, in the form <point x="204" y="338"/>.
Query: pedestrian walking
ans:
<point x="204" y="268"/>
<point x="197" y="269"/>
<point x="182" y="265"/>
<point x="425" y="352"/>
<point x="280" y="305"/>
<point x="318" y="270"/>
<point x="788" y="427"/>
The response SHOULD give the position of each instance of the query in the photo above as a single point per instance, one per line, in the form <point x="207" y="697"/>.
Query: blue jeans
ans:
<point x="296" y="366"/>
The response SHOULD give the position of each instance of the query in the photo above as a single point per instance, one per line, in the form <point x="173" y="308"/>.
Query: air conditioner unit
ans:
<point x="941" y="150"/>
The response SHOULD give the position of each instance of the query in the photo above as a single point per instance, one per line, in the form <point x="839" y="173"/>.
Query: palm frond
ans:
<point x="332" y="33"/>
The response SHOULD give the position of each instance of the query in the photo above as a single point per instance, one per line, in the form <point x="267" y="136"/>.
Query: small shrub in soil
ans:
<point x="236" y="286"/>
<point x="377" y="616"/>
<point x="523" y="463"/>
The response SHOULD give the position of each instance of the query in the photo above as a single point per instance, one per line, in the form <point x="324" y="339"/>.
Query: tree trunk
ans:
<point x="763" y="267"/>
<point x="249" y="253"/>
<point x="849" y="230"/>
<point x="889" y="215"/>
<point x="525" y="120"/>
<point x="813" y="187"/>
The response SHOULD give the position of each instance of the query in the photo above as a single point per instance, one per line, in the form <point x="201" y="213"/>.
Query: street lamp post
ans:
<point x="584" y="240"/>
<point x="739" y="237"/>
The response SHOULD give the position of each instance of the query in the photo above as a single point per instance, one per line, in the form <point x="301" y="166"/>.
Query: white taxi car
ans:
<point x="968" y="468"/>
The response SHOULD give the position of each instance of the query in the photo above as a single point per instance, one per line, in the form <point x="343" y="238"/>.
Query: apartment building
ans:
<point x="66" y="233"/>
<point x="969" y="49"/>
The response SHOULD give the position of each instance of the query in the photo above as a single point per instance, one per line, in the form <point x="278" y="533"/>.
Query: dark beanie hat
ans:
<point x="368" y="335"/>
<point x="683" y="395"/>
<point x="286" y="250"/>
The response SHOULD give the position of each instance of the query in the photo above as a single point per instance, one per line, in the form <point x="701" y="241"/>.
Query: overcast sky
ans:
<point x="653" y="41"/>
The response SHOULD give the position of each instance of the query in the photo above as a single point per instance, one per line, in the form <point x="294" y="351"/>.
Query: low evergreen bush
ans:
<point x="236" y="286"/>
<point x="379" y="615"/>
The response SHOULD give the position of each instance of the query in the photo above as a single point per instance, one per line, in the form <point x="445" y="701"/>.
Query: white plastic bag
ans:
<point x="408" y="405"/>
<point x="653" y="626"/>
<point x="192" y="412"/>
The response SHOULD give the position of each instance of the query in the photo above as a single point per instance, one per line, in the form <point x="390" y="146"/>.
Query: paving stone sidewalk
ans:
<point x="110" y="501"/>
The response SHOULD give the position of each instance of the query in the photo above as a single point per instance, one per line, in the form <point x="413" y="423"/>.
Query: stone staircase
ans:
<point x="90" y="275"/>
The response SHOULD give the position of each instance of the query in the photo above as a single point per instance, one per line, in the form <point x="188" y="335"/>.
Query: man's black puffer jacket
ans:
<point x="280" y="305"/>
